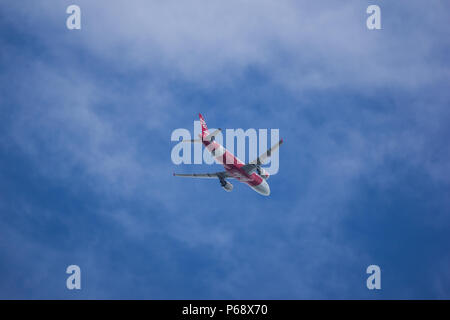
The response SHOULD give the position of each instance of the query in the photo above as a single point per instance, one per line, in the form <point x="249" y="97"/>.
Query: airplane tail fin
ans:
<point x="205" y="132"/>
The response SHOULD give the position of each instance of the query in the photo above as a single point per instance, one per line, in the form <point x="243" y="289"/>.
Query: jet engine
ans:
<point x="226" y="185"/>
<point x="263" y="173"/>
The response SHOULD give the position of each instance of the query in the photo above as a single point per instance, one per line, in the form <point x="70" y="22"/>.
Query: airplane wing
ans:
<point x="266" y="155"/>
<point x="215" y="175"/>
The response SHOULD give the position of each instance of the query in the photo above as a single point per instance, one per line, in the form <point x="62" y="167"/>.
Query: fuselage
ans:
<point x="234" y="167"/>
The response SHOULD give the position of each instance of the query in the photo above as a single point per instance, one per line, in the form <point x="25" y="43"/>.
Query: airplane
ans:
<point x="251" y="173"/>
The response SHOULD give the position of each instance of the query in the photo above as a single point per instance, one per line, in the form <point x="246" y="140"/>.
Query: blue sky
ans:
<point x="86" y="175"/>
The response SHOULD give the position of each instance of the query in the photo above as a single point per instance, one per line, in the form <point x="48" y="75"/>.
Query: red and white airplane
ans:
<point x="252" y="173"/>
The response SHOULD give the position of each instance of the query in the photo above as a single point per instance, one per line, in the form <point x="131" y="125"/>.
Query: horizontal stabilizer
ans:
<point x="192" y="141"/>
<point x="212" y="135"/>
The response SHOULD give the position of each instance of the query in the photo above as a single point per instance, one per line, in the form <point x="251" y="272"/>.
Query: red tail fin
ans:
<point x="205" y="131"/>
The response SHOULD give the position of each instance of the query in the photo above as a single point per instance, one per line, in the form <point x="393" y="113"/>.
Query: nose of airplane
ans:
<point x="263" y="188"/>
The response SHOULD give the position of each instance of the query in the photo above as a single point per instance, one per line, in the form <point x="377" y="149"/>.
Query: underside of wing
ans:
<point x="222" y="174"/>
